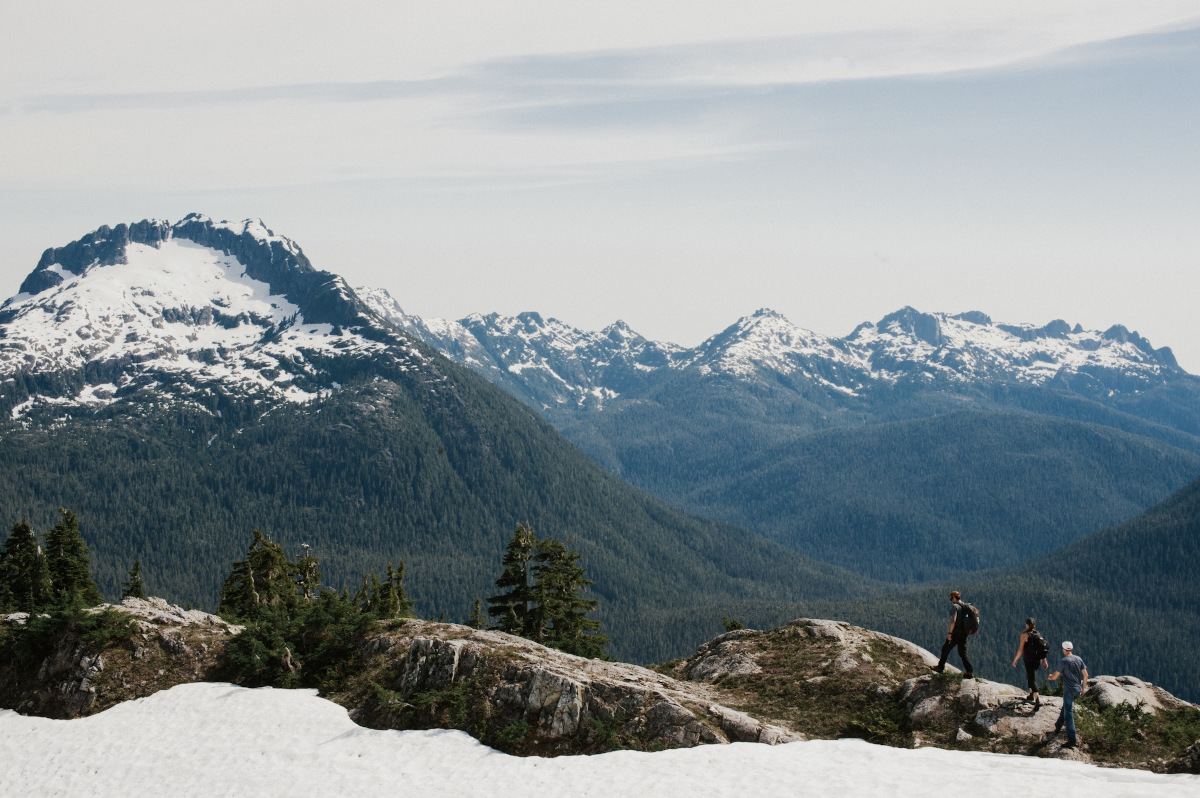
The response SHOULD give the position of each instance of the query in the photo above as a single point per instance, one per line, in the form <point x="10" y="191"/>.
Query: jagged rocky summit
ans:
<point x="810" y="678"/>
<point x="552" y="364"/>
<point x="197" y="310"/>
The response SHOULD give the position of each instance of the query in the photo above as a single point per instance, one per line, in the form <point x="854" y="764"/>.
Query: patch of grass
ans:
<point x="877" y="723"/>
<point x="1179" y="729"/>
<point x="393" y="624"/>
<point x="1124" y="733"/>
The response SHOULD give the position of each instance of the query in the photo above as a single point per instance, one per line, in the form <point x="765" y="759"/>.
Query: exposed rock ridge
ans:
<point x="563" y="702"/>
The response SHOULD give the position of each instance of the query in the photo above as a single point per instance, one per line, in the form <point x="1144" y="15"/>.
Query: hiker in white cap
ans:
<point x="1075" y="678"/>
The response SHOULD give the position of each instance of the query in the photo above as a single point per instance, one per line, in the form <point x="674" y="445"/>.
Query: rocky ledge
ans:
<point x="525" y="698"/>
<point x="72" y="673"/>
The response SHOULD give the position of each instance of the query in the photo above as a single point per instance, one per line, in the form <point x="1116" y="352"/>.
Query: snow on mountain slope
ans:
<point x="201" y="306"/>
<point x="552" y="363"/>
<point x="544" y="359"/>
<point x="970" y="346"/>
<point x="218" y="739"/>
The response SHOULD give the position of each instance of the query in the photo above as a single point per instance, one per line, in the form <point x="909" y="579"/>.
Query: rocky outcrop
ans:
<point x="1113" y="690"/>
<point x="526" y="698"/>
<point x="68" y="676"/>
<point x="981" y="707"/>
<point x="736" y="653"/>
<point x="158" y="616"/>
<point x="1189" y="762"/>
<point x="997" y="715"/>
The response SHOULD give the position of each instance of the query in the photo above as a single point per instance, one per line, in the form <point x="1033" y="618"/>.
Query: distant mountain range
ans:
<point x="914" y="448"/>
<point x="179" y="385"/>
<point x="551" y="364"/>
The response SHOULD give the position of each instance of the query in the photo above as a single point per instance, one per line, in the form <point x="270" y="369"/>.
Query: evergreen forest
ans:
<point x="372" y="473"/>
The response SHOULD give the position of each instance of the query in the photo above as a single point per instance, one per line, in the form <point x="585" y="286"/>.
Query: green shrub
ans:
<point x="512" y="734"/>
<point x="313" y="644"/>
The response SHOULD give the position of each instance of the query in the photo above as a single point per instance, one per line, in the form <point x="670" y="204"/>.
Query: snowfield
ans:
<point x="218" y="739"/>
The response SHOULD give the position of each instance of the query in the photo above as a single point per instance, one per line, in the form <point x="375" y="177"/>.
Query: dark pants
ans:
<point x="961" y="643"/>
<point x="1031" y="669"/>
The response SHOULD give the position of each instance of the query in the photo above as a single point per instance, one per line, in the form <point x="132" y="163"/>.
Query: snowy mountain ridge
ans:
<point x="558" y="364"/>
<point x="202" y="308"/>
<point x="191" y="309"/>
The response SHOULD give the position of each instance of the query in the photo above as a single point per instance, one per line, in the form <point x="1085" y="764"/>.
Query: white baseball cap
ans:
<point x="1068" y="646"/>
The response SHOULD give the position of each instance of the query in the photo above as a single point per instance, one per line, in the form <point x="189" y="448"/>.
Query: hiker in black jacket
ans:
<point x="1033" y="650"/>
<point x="957" y="636"/>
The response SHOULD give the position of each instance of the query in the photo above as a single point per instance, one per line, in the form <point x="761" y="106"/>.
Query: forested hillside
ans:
<point x="917" y="500"/>
<point x="909" y="500"/>
<point x="375" y="472"/>
<point x="1126" y="596"/>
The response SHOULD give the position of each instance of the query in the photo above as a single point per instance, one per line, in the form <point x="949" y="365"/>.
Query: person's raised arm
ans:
<point x="1083" y="686"/>
<point x="1020" y="648"/>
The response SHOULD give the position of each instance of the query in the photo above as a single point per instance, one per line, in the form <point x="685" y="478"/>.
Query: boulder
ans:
<point x="988" y="708"/>
<point x="722" y="656"/>
<point x="153" y="613"/>
<point x="1189" y="761"/>
<point x="1112" y="690"/>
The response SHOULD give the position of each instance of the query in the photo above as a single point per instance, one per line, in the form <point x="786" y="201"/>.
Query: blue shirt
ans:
<point x="1072" y="668"/>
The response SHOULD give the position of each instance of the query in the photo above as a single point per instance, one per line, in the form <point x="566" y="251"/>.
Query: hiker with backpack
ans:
<point x="1033" y="649"/>
<point x="964" y="622"/>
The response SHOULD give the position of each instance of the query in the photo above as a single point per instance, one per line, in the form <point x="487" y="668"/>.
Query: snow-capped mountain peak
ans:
<point x="195" y="308"/>
<point x="553" y="364"/>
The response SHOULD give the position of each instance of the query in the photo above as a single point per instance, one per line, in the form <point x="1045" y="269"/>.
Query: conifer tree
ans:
<point x="133" y="588"/>
<point x="264" y="579"/>
<point x="308" y="576"/>
<point x="386" y="599"/>
<point x="513" y="606"/>
<point x="476" y="620"/>
<point x="24" y="574"/>
<point x="560" y="617"/>
<point x="69" y="562"/>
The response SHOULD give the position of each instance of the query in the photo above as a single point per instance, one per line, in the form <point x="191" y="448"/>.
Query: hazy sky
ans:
<point x="673" y="164"/>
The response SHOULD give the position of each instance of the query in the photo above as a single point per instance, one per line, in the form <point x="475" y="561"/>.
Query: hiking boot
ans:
<point x="968" y="676"/>
<point x="1070" y="745"/>
<point x="1027" y="699"/>
<point x="936" y="668"/>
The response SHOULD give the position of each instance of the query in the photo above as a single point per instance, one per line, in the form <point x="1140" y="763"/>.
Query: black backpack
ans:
<point x="1036" y="647"/>
<point x="969" y="615"/>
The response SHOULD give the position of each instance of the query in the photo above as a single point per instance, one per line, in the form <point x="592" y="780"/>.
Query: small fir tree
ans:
<point x="476" y="620"/>
<point x="133" y="588"/>
<point x="308" y="575"/>
<point x="24" y="573"/>
<point x="512" y="607"/>
<point x="69" y="562"/>
<point x="386" y="599"/>
<point x="265" y="579"/>
<point x="560" y="617"/>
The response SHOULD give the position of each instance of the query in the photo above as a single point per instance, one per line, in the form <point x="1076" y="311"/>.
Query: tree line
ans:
<point x="298" y="633"/>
